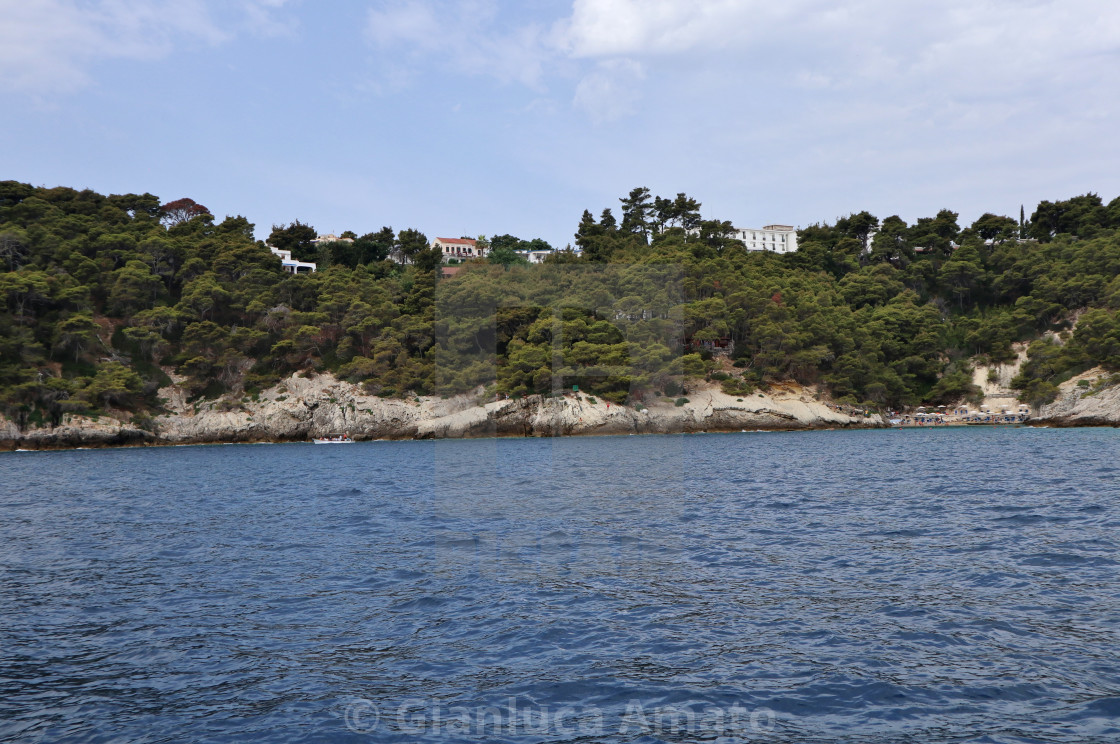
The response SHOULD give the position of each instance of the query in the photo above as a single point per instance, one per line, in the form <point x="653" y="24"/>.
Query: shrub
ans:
<point x="735" y="386"/>
<point x="680" y="402"/>
<point x="1039" y="392"/>
<point x="955" y="385"/>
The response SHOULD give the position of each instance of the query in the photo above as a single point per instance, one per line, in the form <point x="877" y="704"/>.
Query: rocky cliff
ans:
<point x="301" y="408"/>
<point x="1089" y="399"/>
<point x="994" y="381"/>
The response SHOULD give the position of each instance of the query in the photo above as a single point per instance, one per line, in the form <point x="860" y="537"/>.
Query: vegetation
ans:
<point x="103" y="297"/>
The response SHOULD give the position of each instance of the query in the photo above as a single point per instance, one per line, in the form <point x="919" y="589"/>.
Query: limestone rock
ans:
<point x="1089" y="399"/>
<point x="300" y="408"/>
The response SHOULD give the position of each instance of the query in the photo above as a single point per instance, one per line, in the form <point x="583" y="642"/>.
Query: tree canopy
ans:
<point x="103" y="297"/>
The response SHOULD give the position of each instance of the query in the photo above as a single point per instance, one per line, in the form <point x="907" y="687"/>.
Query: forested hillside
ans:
<point x="105" y="296"/>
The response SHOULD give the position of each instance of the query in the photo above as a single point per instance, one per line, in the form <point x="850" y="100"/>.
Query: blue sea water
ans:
<point x="870" y="586"/>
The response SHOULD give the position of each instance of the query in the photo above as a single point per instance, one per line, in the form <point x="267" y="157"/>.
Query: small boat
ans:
<point x="337" y="439"/>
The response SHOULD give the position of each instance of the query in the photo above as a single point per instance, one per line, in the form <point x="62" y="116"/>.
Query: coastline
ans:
<point x="300" y="408"/>
<point x="1091" y="398"/>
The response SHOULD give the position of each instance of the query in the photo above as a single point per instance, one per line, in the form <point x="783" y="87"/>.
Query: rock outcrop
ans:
<point x="304" y="407"/>
<point x="1091" y="398"/>
<point x="994" y="381"/>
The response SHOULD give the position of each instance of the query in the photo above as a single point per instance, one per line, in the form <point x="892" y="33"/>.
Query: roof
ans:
<point x="461" y="241"/>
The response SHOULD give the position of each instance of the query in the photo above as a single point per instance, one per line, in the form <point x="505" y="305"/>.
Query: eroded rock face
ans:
<point x="77" y="431"/>
<point x="1089" y="399"/>
<point x="301" y="408"/>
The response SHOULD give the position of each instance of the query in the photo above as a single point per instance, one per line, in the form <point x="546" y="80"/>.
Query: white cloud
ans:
<point x="601" y="28"/>
<point x="262" y="17"/>
<point x="611" y="91"/>
<point x="866" y="39"/>
<point x="466" y="36"/>
<point x="470" y="37"/>
<point x="50" y="46"/>
<point x="964" y="65"/>
<point x="405" y="23"/>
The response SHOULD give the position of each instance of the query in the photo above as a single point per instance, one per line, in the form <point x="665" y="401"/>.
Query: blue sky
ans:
<point x="467" y="117"/>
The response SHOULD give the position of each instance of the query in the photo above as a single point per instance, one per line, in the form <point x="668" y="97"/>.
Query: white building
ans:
<point x="536" y="257"/>
<point x="776" y="238"/>
<point x="331" y="238"/>
<point x="462" y="249"/>
<point x="290" y="265"/>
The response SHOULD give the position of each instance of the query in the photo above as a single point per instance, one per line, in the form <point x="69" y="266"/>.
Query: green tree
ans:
<point x="636" y="211"/>
<point x="506" y="256"/>
<point x="135" y="288"/>
<point x="859" y="226"/>
<point x="598" y="243"/>
<point x="25" y="291"/>
<point x="13" y="248"/>
<point x="1081" y="216"/>
<point x="114" y="385"/>
<point x="295" y="237"/>
<point x="964" y="273"/>
<point x="204" y="298"/>
<point x="994" y="227"/>
<point x="375" y="246"/>
<point x="76" y="336"/>
<point x="506" y="242"/>
<point x="411" y="243"/>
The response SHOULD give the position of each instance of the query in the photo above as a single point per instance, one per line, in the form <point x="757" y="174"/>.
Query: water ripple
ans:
<point x="925" y="586"/>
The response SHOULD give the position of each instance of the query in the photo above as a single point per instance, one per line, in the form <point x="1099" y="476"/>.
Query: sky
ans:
<point x="471" y="117"/>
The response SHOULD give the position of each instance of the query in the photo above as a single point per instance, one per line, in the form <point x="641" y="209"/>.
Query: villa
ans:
<point x="331" y="238"/>
<point x="776" y="238"/>
<point x="460" y="249"/>
<point x="290" y="265"/>
<point x="536" y="257"/>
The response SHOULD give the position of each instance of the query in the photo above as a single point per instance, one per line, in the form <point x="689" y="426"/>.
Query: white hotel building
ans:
<point x="776" y="238"/>
<point x="291" y="265"/>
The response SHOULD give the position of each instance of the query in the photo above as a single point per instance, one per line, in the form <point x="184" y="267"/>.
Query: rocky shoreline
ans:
<point x="1092" y="398"/>
<point x="300" y="408"/>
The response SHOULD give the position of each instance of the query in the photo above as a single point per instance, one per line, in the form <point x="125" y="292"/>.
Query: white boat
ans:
<point x="342" y="439"/>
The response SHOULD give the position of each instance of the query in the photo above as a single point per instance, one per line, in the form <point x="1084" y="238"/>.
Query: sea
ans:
<point x="951" y="585"/>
